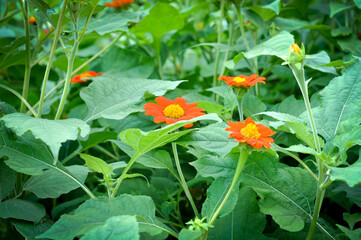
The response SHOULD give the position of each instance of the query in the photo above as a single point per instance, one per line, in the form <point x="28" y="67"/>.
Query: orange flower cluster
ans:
<point x="32" y="20"/>
<point x="256" y="135"/>
<point x="118" y="3"/>
<point x="242" y="81"/>
<point x="79" y="78"/>
<point x="169" y="111"/>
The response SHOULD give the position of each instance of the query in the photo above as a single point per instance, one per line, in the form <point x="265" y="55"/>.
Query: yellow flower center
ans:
<point x="294" y="47"/>
<point x="250" y="131"/>
<point x="173" y="111"/>
<point x="238" y="79"/>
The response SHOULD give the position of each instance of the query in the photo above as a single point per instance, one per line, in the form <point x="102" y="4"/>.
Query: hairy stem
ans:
<point x="219" y="38"/>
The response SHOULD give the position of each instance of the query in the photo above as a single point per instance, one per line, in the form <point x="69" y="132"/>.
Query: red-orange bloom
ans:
<point x="256" y="135"/>
<point x="32" y="20"/>
<point x="118" y="3"/>
<point x="242" y="81"/>
<point x="79" y="78"/>
<point x="169" y="111"/>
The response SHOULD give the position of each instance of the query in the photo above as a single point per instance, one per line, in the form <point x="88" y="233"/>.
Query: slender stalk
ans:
<point x="52" y="53"/>
<point x="123" y="175"/>
<point x="25" y="10"/>
<point x="183" y="181"/>
<point x="301" y="80"/>
<point x="81" y="67"/>
<point x="230" y="38"/>
<point x="297" y="159"/>
<point x="159" y="64"/>
<point x="106" y="152"/>
<point x="219" y="38"/>
<point x="240" y="165"/>
<point x="78" y="38"/>
<point x="21" y="98"/>
<point x="240" y="94"/>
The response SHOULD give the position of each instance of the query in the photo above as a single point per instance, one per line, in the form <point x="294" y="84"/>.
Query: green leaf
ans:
<point x="52" y="132"/>
<point x="341" y="32"/>
<point x="186" y="234"/>
<point x="43" y="7"/>
<point x="357" y="3"/>
<point x="351" y="174"/>
<point x="252" y="105"/>
<point x="161" y="19"/>
<point x="127" y="63"/>
<point x="317" y="61"/>
<point x="7" y="180"/>
<point x="227" y="93"/>
<point x="115" y="98"/>
<point x="339" y="101"/>
<point x="215" y="166"/>
<point x="52" y="183"/>
<point x="113" y="22"/>
<point x="352" y="234"/>
<point x="278" y="45"/>
<point x="211" y="107"/>
<point x="339" y="63"/>
<point x="30" y="230"/>
<point x="142" y="142"/>
<point x="154" y="159"/>
<point x="97" y="211"/>
<point x="286" y="193"/>
<point x="97" y="137"/>
<point x="215" y="195"/>
<point x="336" y="7"/>
<point x="22" y="209"/>
<point x="244" y="222"/>
<point x="30" y="156"/>
<point x="267" y="11"/>
<point x="97" y="165"/>
<point x="352" y="45"/>
<point x="115" y="228"/>
<point x="302" y="149"/>
<point x="213" y="138"/>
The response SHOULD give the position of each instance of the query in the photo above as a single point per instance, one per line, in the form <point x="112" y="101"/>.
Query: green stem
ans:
<point x="123" y="175"/>
<point x="50" y="61"/>
<point x="106" y="152"/>
<point x="183" y="181"/>
<point x="240" y="165"/>
<point x="318" y="203"/>
<point x="81" y="67"/>
<point x="159" y="64"/>
<point x="21" y="98"/>
<point x="219" y="38"/>
<point x="25" y="10"/>
<point x="230" y="38"/>
<point x="240" y="94"/>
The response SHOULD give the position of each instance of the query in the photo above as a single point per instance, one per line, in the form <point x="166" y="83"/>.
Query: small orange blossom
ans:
<point x="242" y="80"/>
<point x="294" y="47"/>
<point x="32" y="20"/>
<point x="79" y="78"/>
<point x="169" y="111"/>
<point x="118" y="3"/>
<point x="256" y="135"/>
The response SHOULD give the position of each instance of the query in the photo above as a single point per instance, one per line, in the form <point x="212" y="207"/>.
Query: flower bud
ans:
<point x="296" y="55"/>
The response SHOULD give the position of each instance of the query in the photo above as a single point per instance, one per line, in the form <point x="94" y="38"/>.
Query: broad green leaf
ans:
<point x="14" y="57"/>
<point x="52" y="183"/>
<point x="161" y="19"/>
<point x="284" y="117"/>
<point x="316" y="60"/>
<point x="215" y="195"/>
<point x="112" y="22"/>
<point x="30" y="156"/>
<point x="352" y="234"/>
<point x="211" y="107"/>
<point x="213" y="138"/>
<point x="339" y="101"/>
<point x="252" y="105"/>
<point x="186" y="234"/>
<point x="97" y="211"/>
<point x="336" y="7"/>
<point x="7" y="180"/>
<point x="154" y="159"/>
<point x="302" y="149"/>
<point x="351" y="174"/>
<point x="142" y="142"/>
<point x="352" y="45"/>
<point x="97" y="165"/>
<point x="115" y="98"/>
<point x="218" y="46"/>
<point x="290" y="24"/>
<point x="227" y="93"/>
<point x="215" y="166"/>
<point x="244" y="222"/>
<point x="352" y="219"/>
<point x="96" y="138"/>
<point x="341" y="32"/>
<point x="31" y="230"/>
<point x="115" y="228"/>
<point x="278" y="45"/>
<point x="339" y="63"/>
<point x="43" y="7"/>
<point x="52" y="132"/>
<point x="127" y="63"/>
<point x="302" y="132"/>
<point x="22" y="209"/>
<point x="287" y="193"/>
<point x="267" y="11"/>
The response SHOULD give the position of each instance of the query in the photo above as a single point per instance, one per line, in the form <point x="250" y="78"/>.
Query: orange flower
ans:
<point x="170" y="111"/>
<point x="79" y="78"/>
<point x="256" y="135"/>
<point x="242" y="81"/>
<point x="32" y="20"/>
<point x="118" y="3"/>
